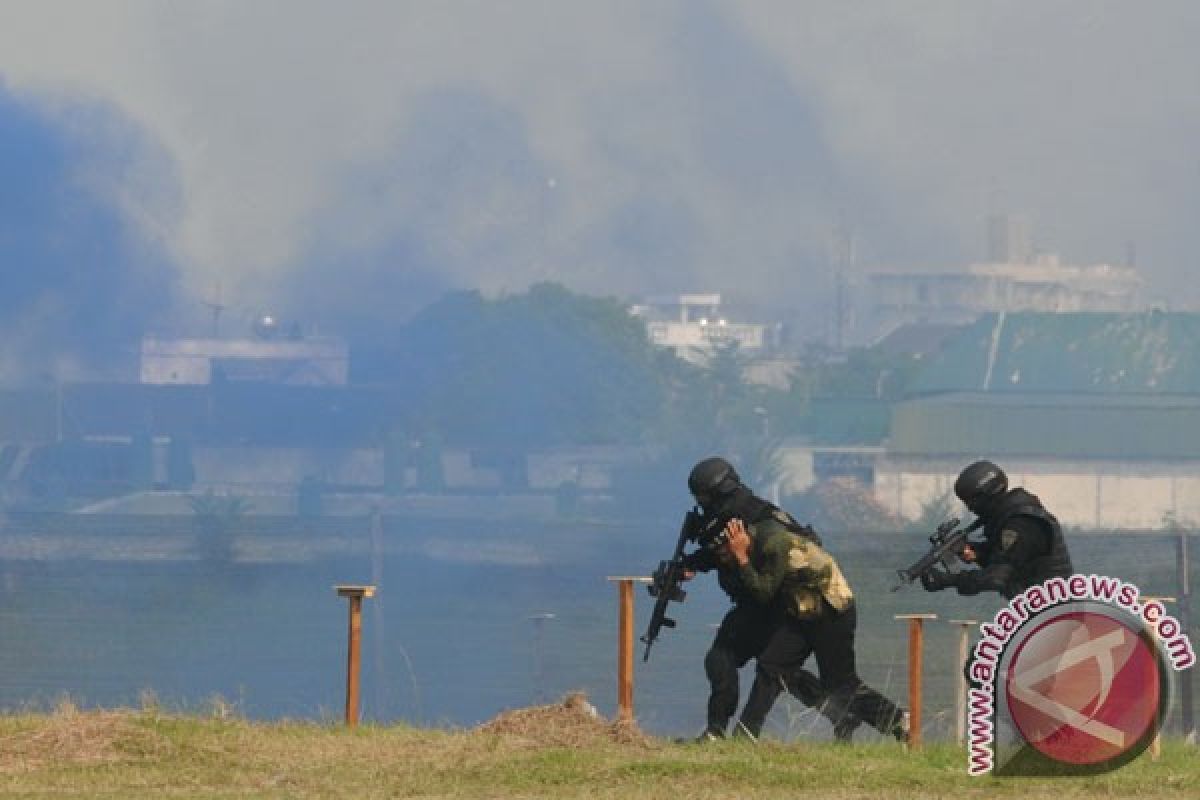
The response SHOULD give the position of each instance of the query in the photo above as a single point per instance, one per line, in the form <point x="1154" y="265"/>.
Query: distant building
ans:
<point x="1098" y="413"/>
<point x="692" y="324"/>
<point x="1098" y="462"/>
<point x="951" y="298"/>
<point x="292" y="362"/>
<point x="774" y="372"/>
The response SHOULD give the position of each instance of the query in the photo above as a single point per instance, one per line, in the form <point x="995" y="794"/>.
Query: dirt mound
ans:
<point x="572" y="722"/>
<point x="70" y="736"/>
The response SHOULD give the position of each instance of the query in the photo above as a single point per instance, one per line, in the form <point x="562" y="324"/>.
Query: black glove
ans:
<point x="935" y="580"/>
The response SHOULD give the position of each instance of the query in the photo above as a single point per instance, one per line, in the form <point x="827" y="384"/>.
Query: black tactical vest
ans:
<point x="753" y="510"/>
<point x="1054" y="564"/>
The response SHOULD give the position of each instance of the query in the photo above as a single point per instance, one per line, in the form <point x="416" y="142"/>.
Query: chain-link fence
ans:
<point x="472" y="616"/>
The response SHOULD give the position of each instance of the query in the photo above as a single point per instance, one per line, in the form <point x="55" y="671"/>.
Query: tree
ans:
<point x="542" y="368"/>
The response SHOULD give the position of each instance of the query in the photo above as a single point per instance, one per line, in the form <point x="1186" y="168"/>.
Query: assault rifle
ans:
<point x="947" y="543"/>
<point x="664" y="584"/>
<point x="708" y="531"/>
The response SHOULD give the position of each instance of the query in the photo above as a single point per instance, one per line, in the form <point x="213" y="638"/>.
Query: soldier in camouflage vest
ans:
<point x="790" y="600"/>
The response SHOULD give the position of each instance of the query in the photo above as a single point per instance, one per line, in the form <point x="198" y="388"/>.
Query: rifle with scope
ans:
<point x="947" y="545"/>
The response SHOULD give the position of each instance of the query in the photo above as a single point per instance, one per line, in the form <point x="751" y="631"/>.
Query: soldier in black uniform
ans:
<point x="790" y="600"/>
<point x="1023" y="542"/>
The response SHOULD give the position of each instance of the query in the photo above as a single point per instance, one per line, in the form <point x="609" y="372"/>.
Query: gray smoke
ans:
<point x="79" y="279"/>
<point x="350" y="163"/>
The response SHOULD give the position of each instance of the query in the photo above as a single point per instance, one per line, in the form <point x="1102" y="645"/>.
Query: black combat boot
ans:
<point x="844" y="728"/>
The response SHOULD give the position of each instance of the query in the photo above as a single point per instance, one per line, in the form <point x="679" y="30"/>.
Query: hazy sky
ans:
<point x="351" y="160"/>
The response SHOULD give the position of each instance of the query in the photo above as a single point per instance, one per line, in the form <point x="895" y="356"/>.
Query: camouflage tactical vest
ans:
<point x="813" y="573"/>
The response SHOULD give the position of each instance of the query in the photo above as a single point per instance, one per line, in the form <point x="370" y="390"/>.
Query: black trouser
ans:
<point x="749" y="632"/>
<point x="779" y="669"/>
<point x="832" y="638"/>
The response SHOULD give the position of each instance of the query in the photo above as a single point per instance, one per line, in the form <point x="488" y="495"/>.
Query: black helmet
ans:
<point x="980" y="483"/>
<point x="712" y="479"/>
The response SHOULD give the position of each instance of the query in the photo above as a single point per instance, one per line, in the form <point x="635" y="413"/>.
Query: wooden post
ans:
<point x="1156" y="743"/>
<point x="354" y="646"/>
<point x="916" y="639"/>
<point x="960" y="696"/>
<point x="625" y="643"/>
<point x="625" y="653"/>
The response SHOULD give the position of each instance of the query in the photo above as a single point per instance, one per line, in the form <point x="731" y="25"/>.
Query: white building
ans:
<point x="692" y="324"/>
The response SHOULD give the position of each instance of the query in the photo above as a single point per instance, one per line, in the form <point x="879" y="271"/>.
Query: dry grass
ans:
<point x="573" y="722"/>
<point x="564" y="750"/>
<point x="72" y="737"/>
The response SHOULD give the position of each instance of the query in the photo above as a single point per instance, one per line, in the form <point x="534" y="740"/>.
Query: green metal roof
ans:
<point x="1071" y="353"/>
<point x="1073" y="385"/>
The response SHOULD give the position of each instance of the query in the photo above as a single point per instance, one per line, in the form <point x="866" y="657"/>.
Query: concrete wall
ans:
<point x="1089" y="494"/>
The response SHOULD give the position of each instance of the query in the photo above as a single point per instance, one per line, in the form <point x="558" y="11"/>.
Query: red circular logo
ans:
<point x="1084" y="688"/>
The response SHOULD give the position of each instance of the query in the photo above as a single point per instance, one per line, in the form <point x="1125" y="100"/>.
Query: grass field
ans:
<point x="556" y="751"/>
